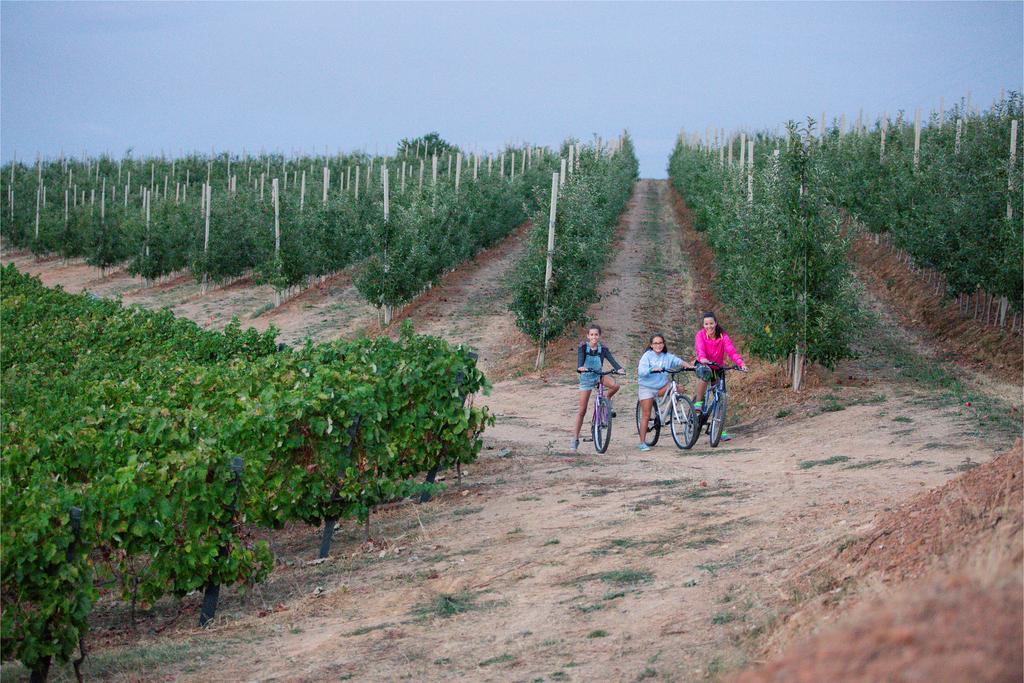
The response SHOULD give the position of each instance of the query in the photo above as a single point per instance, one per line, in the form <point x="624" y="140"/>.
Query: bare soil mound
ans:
<point x="996" y="351"/>
<point x="944" y="598"/>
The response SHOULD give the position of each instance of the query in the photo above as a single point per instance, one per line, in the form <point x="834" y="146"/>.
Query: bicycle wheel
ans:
<point x="653" y="424"/>
<point x="717" y="421"/>
<point x="682" y="420"/>
<point x="601" y="426"/>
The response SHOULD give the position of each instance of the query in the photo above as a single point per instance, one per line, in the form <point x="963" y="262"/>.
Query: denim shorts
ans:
<point x="589" y="381"/>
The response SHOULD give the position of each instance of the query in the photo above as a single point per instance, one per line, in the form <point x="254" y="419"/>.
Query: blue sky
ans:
<point x="293" y="76"/>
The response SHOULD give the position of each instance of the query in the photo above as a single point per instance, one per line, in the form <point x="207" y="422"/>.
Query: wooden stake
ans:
<point x="1010" y="174"/>
<point x="548" y="268"/>
<point x="917" y="139"/>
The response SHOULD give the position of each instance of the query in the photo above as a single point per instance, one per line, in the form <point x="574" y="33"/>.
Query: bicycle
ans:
<point x="714" y="406"/>
<point x="601" y="421"/>
<point x="674" y="407"/>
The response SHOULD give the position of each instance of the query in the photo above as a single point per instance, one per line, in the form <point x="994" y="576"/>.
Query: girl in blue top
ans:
<point x="590" y="357"/>
<point x="651" y="384"/>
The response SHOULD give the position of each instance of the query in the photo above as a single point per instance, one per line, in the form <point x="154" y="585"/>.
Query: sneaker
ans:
<point x="726" y="437"/>
<point x="698" y="406"/>
<point x="574" y="445"/>
<point x="644" y="447"/>
<point x="611" y="407"/>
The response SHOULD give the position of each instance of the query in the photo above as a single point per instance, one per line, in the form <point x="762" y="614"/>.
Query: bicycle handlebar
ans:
<point x="597" y="372"/>
<point x="725" y="368"/>
<point x="672" y="372"/>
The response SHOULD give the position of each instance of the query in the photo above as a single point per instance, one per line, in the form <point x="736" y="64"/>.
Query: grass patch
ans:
<point x="964" y="466"/>
<point x="702" y="542"/>
<point x="553" y="541"/>
<point x="448" y="605"/>
<point x="785" y="412"/>
<point x="619" y="577"/>
<point x="647" y="673"/>
<point x="808" y="464"/>
<point x="596" y="493"/>
<point x="527" y="499"/>
<point x="845" y="542"/>
<point x="647" y="503"/>
<point x="700" y="492"/>
<point x="462" y="512"/>
<point x="500" y="659"/>
<point x="832" y="405"/>
<point x="598" y="634"/>
<point x="367" y="629"/>
<point x="902" y="418"/>
<point x="667" y="482"/>
<point x="723" y="618"/>
<point x="932" y="445"/>
<point x="919" y="463"/>
<point x="866" y="464"/>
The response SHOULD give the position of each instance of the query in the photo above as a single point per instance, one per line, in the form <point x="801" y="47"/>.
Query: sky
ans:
<point x="293" y="77"/>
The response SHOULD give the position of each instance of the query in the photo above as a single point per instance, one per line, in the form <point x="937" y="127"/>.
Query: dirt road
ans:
<point x="622" y="566"/>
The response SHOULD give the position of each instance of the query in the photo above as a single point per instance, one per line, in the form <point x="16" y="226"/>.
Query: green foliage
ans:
<point x="433" y="228"/>
<point x="781" y="260"/>
<point x="588" y="210"/>
<point x="136" y="417"/>
<point x="949" y="213"/>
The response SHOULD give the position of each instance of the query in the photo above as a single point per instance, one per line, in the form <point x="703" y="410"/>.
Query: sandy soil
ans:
<point x="545" y="566"/>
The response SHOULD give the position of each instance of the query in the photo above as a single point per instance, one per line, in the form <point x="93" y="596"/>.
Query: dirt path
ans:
<point x="620" y="566"/>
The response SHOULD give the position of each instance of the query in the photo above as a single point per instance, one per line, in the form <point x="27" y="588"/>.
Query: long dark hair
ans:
<point x="651" y="341"/>
<point x="718" y="328"/>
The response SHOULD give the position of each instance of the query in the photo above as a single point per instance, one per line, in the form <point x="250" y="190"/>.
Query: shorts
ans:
<point x="643" y="392"/>
<point x="589" y="381"/>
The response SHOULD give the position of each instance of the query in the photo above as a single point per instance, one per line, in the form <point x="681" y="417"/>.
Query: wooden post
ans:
<point x="103" y="200"/>
<point x="39" y="197"/>
<point x="561" y="175"/>
<point x="917" y="139"/>
<point x="476" y="165"/>
<point x="422" y="162"/>
<point x="959" y="131"/>
<point x="548" y="269"/>
<point x="277" y="218"/>
<point x="750" y="172"/>
<point x="885" y="127"/>
<point x="326" y="183"/>
<point x="569" y="164"/>
<point x="206" y="235"/>
<point x="458" y="171"/>
<point x="388" y="309"/>
<point x="1013" y="163"/>
<point x="433" y="171"/>
<point x="512" y="176"/>
<point x="302" y="192"/>
<point x="357" y="183"/>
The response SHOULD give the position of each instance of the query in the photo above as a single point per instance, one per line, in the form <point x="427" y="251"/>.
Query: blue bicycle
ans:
<point x="713" y="412"/>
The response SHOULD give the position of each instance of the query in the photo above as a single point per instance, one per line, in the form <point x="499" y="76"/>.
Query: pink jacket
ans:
<point x="714" y="350"/>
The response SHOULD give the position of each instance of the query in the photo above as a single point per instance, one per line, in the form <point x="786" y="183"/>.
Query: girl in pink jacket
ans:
<point x="712" y="344"/>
